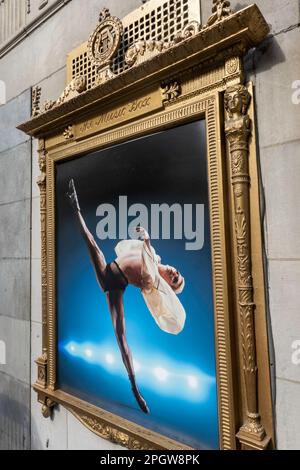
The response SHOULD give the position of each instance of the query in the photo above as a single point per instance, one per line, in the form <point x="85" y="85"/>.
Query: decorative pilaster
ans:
<point x="42" y="361"/>
<point x="252" y="434"/>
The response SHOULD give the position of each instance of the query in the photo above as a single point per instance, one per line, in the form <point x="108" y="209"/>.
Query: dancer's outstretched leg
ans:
<point x="116" y="307"/>
<point x="97" y="257"/>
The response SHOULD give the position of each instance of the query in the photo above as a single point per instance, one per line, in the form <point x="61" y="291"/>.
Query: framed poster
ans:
<point x="135" y="312"/>
<point x="153" y="301"/>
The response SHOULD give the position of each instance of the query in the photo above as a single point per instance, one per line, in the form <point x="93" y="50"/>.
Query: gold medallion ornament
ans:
<point x="104" y="43"/>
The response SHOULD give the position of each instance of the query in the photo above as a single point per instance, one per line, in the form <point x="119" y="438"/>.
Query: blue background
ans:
<point x="176" y="374"/>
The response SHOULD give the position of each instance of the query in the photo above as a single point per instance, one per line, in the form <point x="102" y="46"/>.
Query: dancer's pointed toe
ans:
<point x="141" y="401"/>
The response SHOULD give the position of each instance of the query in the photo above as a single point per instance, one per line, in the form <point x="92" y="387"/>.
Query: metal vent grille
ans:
<point x="156" y="20"/>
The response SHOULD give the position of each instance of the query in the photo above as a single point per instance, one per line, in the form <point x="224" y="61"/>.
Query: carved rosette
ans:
<point x="47" y="407"/>
<point x="68" y="133"/>
<point x="238" y="130"/>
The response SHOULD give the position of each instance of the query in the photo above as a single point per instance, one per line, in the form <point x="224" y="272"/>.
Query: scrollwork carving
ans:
<point x="170" y="91"/>
<point x="113" y="434"/>
<point x="47" y="408"/>
<point x="190" y="30"/>
<point x="141" y="51"/>
<point x="103" y="45"/>
<point x="74" y="88"/>
<point x="145" y="50"/>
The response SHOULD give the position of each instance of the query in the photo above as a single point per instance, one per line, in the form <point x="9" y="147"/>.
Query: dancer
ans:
<point x="136" y="264"/>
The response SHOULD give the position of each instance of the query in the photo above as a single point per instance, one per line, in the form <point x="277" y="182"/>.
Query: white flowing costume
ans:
<point x="161" y="300"/>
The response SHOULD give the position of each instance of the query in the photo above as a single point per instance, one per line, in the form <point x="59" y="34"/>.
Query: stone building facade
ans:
<point x="35" y="38"/>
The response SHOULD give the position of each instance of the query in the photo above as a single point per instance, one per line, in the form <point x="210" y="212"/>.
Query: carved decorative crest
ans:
<point x="104" y="43"/>
<point x="221" y="9"/>
<point x="36" y="99"/>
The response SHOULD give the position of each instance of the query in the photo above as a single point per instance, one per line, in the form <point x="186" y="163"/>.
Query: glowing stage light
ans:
<point x="88" y="353"/>
<point x="109" y="358"/>
<point x="192" y="381"/>
<point x="176" y="379"/>
<point x="161" y="374"/>
<point x="137" y="366"/>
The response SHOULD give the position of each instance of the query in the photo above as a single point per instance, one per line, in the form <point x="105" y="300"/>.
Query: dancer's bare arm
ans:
<point x="149" y="260"/>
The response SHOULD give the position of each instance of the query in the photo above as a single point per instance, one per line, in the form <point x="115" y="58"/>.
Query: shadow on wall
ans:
<point x="45" y="442"/>
<point x="14" y="425"/>
<point x="265" y="56"/>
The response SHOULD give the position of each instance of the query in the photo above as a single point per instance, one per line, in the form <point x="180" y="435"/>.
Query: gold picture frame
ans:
<point x="199" y="74"/>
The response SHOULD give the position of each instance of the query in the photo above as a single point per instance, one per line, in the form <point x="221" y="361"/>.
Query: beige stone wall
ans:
<point x="64" y="432"/>
<point x="274" y="67"/>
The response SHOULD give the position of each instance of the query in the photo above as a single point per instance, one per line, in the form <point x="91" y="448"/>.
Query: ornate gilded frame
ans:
<point x="199" y="74"/>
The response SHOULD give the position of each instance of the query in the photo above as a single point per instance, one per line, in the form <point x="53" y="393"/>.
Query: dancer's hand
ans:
<point x="143" y="234"/>
<point x="72" y="195"/>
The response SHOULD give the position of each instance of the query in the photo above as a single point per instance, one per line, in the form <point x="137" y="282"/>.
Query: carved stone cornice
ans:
<point x="239" y="32"/>
<point x="238" y="129"/>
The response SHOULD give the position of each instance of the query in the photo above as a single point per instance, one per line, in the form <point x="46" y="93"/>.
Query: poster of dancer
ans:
<point x="135" y="319"/>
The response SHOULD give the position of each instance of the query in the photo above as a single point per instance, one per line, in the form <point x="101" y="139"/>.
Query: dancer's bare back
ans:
<point x="131" y="266"/>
